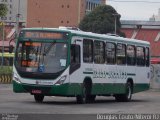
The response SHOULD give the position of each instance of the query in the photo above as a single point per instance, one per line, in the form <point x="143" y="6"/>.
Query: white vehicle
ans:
<point x="58" y="62"/>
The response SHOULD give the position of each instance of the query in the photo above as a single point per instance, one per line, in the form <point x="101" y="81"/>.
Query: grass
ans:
<point x="6" y="69"/>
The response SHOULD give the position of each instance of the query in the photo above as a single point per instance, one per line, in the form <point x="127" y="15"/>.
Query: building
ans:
<point x="55" y="13"/>
<point x="91" y="4"/>
<point x="144" y="30"/>
<point x="15" y="7"/>
<point x="155" y="17"/>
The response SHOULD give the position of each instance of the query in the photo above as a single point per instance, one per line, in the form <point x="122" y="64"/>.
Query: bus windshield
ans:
<point x="41" y="57"/>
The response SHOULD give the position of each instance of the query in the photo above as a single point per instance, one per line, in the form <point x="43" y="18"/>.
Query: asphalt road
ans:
<point x="24" y="106"/>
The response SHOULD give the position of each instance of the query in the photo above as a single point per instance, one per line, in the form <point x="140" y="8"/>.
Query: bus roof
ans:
<point x="93" y="35"/>
<point x="112" y="38"/>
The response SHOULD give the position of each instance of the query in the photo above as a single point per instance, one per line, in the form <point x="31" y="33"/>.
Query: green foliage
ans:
<point x="101" y="20"/>
<point x="3" y="10"/>
<point x="6" y="69"/>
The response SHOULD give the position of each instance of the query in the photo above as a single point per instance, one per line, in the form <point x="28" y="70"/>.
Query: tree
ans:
<point x="101" y="20"/>
<point x="3" y="10"/>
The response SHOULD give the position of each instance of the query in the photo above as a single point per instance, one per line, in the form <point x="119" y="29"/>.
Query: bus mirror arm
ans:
<point x="11" y="46"/>
<point x="11" y="49"/>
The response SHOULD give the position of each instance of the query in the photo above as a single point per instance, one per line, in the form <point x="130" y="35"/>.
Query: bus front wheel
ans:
<point x="39" y="98"/>
<point x="86" y="96"/>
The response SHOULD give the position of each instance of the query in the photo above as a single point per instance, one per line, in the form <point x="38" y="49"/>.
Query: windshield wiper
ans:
<point x="46" y="51"/>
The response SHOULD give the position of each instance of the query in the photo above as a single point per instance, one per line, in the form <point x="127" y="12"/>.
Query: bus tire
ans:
<point x="39" y="98"/>
<point x="86" y="93"/>
<point x="79" y="99"/>
<point x="92" y="98"/>
<point x="84" y="98"/>
<point x="128" y="94"/>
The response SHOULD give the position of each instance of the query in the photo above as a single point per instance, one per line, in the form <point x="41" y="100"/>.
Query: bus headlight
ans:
<point x="61" y="80"/>
<point x="16" y="78"/>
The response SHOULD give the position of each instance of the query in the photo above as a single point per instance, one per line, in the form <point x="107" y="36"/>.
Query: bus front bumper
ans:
<point x="48" y="90"/>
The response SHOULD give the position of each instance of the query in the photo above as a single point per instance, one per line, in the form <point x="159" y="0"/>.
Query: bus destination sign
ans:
<point x="44" y="35"/>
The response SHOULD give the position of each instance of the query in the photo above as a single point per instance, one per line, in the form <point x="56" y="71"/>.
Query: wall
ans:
<point x="155" y="76"/>
<point x="54" y="13"/>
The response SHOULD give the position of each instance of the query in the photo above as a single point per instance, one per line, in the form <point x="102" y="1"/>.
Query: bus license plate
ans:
<point x="36" y="91"/>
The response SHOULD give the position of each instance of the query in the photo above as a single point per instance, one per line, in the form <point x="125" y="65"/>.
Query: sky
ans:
<point x="135" y="9"/>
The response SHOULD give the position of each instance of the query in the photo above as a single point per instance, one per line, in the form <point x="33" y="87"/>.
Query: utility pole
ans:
<point x="79" y="11"/>
<point x="115" y="22"/>
<point x="3" y="26"/>
<point x="17" y="19"/>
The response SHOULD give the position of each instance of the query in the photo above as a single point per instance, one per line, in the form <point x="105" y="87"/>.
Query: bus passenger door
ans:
<point x="75" y="64"/>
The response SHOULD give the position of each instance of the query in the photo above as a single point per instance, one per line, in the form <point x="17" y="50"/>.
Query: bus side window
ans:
<point x="87" y="51"/>
<point x="121" y="54"/>
<point x="140" y="56"/>
<point x="131" y="55"/>
<point x="75" y="58"/>
<point x="99" y="50"/>
<point x="110" y="53"/>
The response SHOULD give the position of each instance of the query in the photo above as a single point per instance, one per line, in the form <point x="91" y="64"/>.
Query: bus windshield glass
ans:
<point x="41" y="57"/>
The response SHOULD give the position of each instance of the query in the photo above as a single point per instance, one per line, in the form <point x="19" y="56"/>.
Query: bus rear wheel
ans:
<point x="127" y="96"/>
<point x="39" y="98"/>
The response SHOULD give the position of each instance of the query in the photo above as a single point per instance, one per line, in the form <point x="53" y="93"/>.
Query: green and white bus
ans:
<point x="73" y="63"/>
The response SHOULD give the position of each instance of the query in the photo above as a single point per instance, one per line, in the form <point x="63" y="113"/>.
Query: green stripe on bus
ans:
<point x="87" y="72"/>
<point x="73" y="89"/>
<point x="131" y="74"/>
